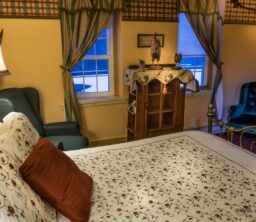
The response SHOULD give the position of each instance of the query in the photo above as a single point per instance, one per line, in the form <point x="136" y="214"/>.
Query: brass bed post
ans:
<point x="210" y="115"/>
<point x="230" y="133"/>
<point x="212" y="120"/>
<point x="229" y="130"/>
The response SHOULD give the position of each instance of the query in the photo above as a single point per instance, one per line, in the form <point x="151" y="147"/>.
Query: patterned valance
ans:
<point x="239" y="15"/>
<point x="29" y="8"/>
<point x="151" y="10"/>
<point x="135" y="10"/>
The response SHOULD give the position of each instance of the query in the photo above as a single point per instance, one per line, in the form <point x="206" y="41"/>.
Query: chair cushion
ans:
<point x="69" y="142"/>
<point x="245" y="119"/>
<point x="248" y="95"/>
<point x="57" y="179"/>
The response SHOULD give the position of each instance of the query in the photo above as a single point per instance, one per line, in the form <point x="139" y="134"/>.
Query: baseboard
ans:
<point x="215" y="129"/>
<point x="108" y="142"/>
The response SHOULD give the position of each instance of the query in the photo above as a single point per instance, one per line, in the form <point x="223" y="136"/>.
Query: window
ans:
<point x="93" y="75"/>
<point x="194" y="57"/>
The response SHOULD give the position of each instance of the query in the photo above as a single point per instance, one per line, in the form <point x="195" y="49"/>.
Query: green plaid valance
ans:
<point x="239" y="15"/>
<point x="29" y="8"/>
<point x="150" y="10"/>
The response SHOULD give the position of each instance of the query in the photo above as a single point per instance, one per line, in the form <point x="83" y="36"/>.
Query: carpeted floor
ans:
<point x="248" y="141"/>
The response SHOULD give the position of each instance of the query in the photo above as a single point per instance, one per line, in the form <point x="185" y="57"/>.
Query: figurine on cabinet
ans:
<point x="141" y="65"/>
<point x="155" y="49"/>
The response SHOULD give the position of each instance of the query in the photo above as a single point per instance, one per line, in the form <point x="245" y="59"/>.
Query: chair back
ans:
<point x="248" y="97"/>
<point x="6" y="107"/>
<point x="23" y="100"/>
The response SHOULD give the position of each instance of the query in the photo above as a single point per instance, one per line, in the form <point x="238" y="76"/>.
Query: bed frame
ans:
<point x="228" y="129"/>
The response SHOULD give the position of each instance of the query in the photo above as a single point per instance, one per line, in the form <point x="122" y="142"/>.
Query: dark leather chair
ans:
<point x="65" y="135"/>
<point x="244" y="114"/>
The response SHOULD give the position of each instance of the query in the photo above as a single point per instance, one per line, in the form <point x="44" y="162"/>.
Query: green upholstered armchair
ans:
<point x="65" y="135"/>
<point x="244" y="113"/>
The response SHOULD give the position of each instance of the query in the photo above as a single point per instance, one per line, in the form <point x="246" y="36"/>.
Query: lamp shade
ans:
<point x="3" y="70"/>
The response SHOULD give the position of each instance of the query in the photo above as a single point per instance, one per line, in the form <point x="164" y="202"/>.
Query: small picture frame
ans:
<point x="144" y="40"/>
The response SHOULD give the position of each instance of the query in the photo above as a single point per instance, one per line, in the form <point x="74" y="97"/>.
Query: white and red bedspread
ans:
<point x="188" y="176"/>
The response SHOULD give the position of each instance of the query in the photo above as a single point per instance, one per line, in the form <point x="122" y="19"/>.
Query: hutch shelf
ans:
<point x="156" y="101"/>
<point x="156" y="113"/>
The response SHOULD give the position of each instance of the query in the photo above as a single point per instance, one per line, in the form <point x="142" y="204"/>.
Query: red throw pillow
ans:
<point x="57" y="179"/>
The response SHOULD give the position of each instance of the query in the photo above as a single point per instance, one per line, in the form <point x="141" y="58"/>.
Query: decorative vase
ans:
<point x="177" y="57"/>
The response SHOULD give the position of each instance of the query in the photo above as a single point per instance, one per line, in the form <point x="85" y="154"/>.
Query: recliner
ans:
<point x="65" y="135"/>
<point x="244" y="114"/>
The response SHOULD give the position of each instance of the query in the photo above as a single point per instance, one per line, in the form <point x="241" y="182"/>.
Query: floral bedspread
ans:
<point x="178" y="179"/>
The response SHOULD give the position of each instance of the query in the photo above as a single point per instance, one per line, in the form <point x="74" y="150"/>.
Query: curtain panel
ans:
<point x="92" y="5"/>
<point x="204" y="17"/>
<point x="81" y="23"/>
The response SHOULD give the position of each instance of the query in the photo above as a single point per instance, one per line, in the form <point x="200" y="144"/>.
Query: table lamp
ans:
<point x="3" y="70"/>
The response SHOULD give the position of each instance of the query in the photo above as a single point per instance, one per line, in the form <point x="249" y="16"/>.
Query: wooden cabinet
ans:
<point x="156" y="113"/>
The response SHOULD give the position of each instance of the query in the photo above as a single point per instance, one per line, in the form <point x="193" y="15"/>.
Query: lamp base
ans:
<point x="4" y="72"/>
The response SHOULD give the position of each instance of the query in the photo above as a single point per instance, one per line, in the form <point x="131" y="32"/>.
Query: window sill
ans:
<point x="203" y="92"/>
<point x="101" y="101"/>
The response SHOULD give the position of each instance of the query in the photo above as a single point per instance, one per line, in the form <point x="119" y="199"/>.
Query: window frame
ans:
<point x="207" y="64"/>
<point x="207" y="68"/>
<point x="110" y="57"/>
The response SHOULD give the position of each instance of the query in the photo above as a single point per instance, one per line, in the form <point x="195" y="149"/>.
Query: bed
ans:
<point x="186" y="176"/>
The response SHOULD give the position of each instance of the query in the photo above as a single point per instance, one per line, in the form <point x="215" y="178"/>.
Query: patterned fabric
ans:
<point x="151" y="10"/>
<point x="81" y="27"/>
<point x="18" y="202"/>
<point x="173" y="179"/>
<point x="19" y="137"/>
<point x="239" y="15"/>
<point x="164" y="76"/>
<point x="58" y="180"/>
<point x="29" y="8"/>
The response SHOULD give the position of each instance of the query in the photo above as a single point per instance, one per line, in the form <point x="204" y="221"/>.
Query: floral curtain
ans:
<point x="205" y="20"/>
<point x="81" y="23"/>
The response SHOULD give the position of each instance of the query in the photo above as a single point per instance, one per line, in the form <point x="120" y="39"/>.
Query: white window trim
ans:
<point x="102" y="101"/>
<point x="203" y="92"/>
<point x="110" y="57"/>
<point x="207" y="65"/>
<point x="206" y="68"/>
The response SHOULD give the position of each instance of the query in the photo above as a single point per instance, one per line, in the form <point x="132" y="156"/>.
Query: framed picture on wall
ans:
<point x="144" y="40"/>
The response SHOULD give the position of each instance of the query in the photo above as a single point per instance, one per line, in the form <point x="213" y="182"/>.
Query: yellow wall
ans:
<point x="131" y="53"/>
<point x="103" y="122"/>
<point x="238" y="55"/>
<point x="196" y="107"/>
<point x="32" y="52"/>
